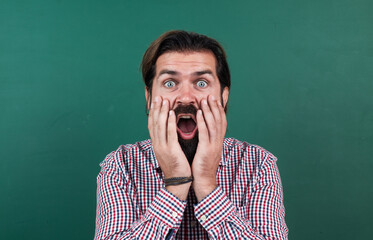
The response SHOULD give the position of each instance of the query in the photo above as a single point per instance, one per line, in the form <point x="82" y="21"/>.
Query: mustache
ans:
<point x="190" y="109"/>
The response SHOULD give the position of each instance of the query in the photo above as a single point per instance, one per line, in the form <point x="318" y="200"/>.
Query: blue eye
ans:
<point x="169" y="84"/>
<point x="202" y="84"/>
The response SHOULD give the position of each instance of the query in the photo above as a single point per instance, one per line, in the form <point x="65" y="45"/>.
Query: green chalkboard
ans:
<point x="71" y="92"/>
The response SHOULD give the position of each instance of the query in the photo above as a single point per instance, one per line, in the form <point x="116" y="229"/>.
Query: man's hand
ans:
<point x="171" y="158"/>
<point x="212" y="125"/>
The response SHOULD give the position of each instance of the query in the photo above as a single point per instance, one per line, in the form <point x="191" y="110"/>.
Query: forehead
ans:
<point x="187" y="62"/>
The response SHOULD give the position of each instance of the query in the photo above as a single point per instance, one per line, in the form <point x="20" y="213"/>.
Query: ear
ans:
<point x="225" y="96"/>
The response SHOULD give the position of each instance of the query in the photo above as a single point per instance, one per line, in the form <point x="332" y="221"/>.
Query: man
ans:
<point x="188" y="181"/>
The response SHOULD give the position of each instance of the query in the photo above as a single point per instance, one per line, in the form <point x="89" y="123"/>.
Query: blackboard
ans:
<point x="71" y="92"/>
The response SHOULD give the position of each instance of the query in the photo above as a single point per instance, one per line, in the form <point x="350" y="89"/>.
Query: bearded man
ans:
<point x="188" y="181"/>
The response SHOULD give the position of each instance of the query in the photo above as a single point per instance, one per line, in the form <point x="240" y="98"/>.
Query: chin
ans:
<point x="189" y="147"/>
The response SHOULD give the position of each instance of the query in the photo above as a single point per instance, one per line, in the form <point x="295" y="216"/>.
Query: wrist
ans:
<point x="177" y="174"/>
<point x="177" y="180"/>
<point x="180" y="191"/>
<point x="202" y="189"/>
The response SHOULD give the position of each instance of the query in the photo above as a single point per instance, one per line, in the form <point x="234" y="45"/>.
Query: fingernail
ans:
<point x="213" y="98"/>
<point x="164" y="102"/>
<point x="156" y="99"/>
<point x="204" y="101"/>
<point x="171" y="112"/>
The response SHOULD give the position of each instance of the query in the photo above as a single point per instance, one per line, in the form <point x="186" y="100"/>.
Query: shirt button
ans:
<point x="193" y="223"/>
<point x="203" y="218"/>
<point x="174" y="214"/>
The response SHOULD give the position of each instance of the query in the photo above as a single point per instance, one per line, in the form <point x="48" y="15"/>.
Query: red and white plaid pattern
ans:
<point x="132" y="202"/>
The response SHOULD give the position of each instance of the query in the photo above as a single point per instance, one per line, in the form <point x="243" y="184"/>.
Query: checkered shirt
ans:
<point x="132" y="202"/>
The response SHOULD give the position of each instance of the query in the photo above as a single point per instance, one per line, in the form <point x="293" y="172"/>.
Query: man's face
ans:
<point x="184" y="79"/>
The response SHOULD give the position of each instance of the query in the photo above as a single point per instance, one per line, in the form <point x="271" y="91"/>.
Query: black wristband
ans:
<point x="177" y="180"/>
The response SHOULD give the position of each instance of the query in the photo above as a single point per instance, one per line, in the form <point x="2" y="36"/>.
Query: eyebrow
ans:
<point x="198" y="73"/>
<point x="169" y="72"/>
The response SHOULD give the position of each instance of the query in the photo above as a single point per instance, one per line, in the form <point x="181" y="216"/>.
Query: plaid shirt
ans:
<point x="132" y="202"/>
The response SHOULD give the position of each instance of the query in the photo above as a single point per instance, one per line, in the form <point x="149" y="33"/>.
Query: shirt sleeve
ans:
<point x="116" y="216"/>
<point x="265" y="210"/>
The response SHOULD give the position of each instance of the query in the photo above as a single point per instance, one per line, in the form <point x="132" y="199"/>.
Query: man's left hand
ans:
<point x="212" y="125"/>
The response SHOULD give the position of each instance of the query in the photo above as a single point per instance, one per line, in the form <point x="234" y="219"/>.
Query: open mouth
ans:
<point x="186" y="126"/>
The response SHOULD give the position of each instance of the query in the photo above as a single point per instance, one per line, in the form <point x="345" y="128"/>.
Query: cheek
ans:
<point x="163" y="94"/>
<point x="155" y="92"/>
<point x="171" y="99"/>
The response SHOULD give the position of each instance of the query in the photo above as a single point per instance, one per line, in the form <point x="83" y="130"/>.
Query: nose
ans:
<point x="186" y="96"/>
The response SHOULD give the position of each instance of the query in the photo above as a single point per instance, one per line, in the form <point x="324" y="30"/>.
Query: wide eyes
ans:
<point x="201" y="84"/>
<point x="169" y="84"/>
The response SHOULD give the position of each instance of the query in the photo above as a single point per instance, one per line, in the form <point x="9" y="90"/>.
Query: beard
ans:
<point x="189" y="146"/>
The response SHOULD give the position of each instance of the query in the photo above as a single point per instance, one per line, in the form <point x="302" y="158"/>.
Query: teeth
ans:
<point x="186" y="117"/>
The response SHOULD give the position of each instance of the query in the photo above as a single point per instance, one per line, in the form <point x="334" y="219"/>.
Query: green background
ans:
<point x="71" y="92"/>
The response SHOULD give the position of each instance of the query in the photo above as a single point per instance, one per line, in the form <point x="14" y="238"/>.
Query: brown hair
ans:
<point x="182" y="41"/>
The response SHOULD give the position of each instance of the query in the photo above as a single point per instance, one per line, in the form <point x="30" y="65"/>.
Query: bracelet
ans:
<point x="177" y="180"/>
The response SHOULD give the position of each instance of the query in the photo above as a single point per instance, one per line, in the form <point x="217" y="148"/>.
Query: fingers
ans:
<point x="223" y="117"/>
<point x="153" y="116"/>
<point x="209" y="119"/>
<point x="203" y="134"/>
<point x="214" y="117"/>
<point x="157" y="121"/>
<point x="154" y="109"/>
<point x="214" y="106"/>
<point x="171" y="128"/>
<point x="162" y="122"/>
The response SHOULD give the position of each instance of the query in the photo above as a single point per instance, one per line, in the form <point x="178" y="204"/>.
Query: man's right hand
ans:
<point x="170" y="156"/>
